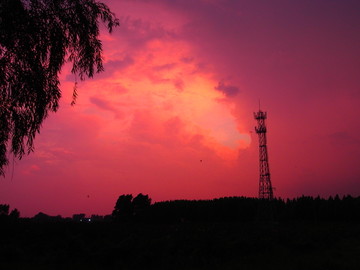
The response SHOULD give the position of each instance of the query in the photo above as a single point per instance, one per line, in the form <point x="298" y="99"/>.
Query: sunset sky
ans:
<point x="172" y="115"/>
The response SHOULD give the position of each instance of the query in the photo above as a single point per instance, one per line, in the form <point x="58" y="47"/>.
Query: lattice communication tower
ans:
<point x="265" y="187"/>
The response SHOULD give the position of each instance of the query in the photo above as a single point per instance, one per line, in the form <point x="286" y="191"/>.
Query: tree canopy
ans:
<point x="37" y="37"/>
<point x="127" y="207"/>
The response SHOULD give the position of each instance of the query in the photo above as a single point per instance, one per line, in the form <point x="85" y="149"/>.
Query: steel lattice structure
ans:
<point x="265" y="187"/>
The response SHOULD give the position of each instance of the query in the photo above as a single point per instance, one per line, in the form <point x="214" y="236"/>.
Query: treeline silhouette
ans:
<point x="134" y="209"/>
<point x="225" y="233"/>
<point x="228" y="209"/>
<point x="6" y="215"/>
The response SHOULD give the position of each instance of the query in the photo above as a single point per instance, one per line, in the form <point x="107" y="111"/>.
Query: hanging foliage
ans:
<point x="37" y="37"/>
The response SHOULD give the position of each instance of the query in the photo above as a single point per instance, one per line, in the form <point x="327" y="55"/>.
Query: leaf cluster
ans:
<point x="37" y="37"/>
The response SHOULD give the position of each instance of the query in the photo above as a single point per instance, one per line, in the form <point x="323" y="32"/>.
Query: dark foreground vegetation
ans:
<point x="226" y="233"/>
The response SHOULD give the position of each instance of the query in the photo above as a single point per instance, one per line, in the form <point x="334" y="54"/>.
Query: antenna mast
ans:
<point x="265" y="187"/>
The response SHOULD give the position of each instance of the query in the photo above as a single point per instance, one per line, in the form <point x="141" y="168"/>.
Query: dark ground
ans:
<point x="180" y="245"/>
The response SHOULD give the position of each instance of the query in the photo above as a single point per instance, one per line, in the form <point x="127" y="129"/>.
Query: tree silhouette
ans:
<point x="127" y="207"/>
<point x="37" y="37"/>
<point x="4" y="209"/>
<point x="141" y="202"/>
<point x="123" y="208"/>
<point x="14" y="214"/>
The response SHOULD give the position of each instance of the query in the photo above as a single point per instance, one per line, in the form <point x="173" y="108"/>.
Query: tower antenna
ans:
<point x="265" y="187"/>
